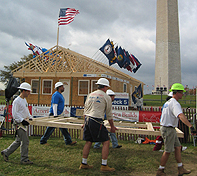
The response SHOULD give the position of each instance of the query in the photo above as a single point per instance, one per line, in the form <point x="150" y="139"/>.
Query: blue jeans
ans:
<point x="49" y="131"/>
<point x="113" y="140"/>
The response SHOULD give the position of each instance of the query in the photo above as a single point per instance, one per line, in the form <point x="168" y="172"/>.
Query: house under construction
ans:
<point x="77" y="72"/>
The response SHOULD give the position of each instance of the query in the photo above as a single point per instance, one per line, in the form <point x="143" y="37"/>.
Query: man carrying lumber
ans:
<point x="20" y="114"/>
<point x="97" y="104"/>
<point x="114" y="140"/>
<point x="170" y="116"/>
<point x="57" y="107"/>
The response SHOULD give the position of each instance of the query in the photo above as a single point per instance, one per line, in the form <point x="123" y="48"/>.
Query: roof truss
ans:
<point x="59" y="61"/>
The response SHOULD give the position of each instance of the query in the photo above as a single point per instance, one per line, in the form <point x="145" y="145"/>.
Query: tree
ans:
<point x="7" y="72"/>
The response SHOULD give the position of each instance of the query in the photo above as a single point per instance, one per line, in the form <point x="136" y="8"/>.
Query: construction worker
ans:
<point x="97" y="104"/>
<point x="170" y="116"/>
<point x="57" y="107"/>
<point x="20" y="113"/>
<point x="111" y="135"/>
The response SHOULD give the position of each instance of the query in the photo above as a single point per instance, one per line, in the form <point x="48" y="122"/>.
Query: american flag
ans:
<point x="66" y="15"/>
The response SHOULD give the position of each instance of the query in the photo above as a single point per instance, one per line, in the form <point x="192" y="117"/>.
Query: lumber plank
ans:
<point x="149" y="126"/>
<point x="123" y="127"/>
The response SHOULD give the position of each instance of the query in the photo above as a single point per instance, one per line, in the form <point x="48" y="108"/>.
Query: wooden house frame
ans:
<point x="123" y="127"/>
<point x="61" y="64"/>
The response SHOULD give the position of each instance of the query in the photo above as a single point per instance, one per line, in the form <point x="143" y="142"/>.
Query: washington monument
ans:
<point x="167" y="62"/>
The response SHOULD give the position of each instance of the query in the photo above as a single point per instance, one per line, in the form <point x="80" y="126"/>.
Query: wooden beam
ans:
<point x="149" y="126"/>
<point x="74" y="123"/>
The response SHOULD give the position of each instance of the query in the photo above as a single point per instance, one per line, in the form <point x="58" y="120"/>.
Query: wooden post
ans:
<point x="39" y="91"/>
<point x="71" y="93"/>
<point x="57" y="36"/>
<point x="81" y="135"/>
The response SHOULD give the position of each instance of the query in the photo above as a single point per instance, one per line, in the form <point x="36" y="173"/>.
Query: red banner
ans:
<point x="9" y="117"/>
<point x="149" y="116"/>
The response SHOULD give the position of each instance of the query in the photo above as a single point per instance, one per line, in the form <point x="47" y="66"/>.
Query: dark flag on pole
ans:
<point x="137" y="62"/>
<point x="137" y="94"/>
<point x="66" y="15"/>
<point x="126" y="59"/>
<point x="120" y="56"/>
<point x="109" y="52"/>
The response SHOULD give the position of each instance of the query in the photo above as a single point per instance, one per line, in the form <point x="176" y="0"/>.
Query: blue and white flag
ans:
<point x="108" y="51"/>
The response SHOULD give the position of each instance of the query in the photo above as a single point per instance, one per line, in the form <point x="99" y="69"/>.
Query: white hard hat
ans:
<point x="103" y="81"/>
<point x="170" y="94"/>
<point x="110" y="92"/>
<point x="25" y="86"/>
<point x="58" y="84"/>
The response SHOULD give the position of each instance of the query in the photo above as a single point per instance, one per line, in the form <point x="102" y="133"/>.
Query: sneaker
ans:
<point x="119" y="146"/>
<point x="183" y="148"/>
<point x="85" y="166"/>
<point x="73" y="143"/>
<point x="26" y="162"/>
<point x="5" y="157"/>
<point x="160" y="172"/>
<point x="182" y="171"/>
<point x="107" y="168"/>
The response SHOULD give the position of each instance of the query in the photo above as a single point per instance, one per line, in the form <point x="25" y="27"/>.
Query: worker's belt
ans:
<point x="169" y="126"/>
<point x="98" y="120"/>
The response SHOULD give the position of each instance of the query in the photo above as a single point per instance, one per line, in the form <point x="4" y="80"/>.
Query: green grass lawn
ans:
<point x="155" y="100"/>
<point x="2" y="99"/>
<point x="59" y="159"/>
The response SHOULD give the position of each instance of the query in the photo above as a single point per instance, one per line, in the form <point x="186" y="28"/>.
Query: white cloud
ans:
<point x="130" y="24"/>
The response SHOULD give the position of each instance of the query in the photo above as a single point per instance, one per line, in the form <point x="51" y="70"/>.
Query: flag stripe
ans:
<point x="67" y="15"/>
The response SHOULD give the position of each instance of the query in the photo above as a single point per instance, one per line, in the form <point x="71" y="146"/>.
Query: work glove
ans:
<point x="30" y="118"/>
<point x="192" y="130"/>
<point x="25" y="123"/>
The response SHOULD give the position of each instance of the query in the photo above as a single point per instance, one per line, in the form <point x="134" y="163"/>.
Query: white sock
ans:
<point x="161" y="167"/>
<point x="179" y="164"/>
<point x="84" y="160"/>
<point x="104" y="162"/>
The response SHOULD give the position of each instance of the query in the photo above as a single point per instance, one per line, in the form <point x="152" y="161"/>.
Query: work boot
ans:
<point x="119" y="146"/>
<point x="27" y="162"/>
<point x="5" y="157"/>
<point x="85" y="166"/>
<point x="107" y="168"/>
<point x="182" y="171"/>
<point x="160" y="172"/>
<point x="73" y="143"/>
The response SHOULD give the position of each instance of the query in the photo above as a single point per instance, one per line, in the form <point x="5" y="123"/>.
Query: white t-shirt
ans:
<point x="170" y="112"/>
<point x="20" y="109"/>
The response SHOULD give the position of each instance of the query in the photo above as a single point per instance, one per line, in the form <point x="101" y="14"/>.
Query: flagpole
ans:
<point x="57" y="36"/>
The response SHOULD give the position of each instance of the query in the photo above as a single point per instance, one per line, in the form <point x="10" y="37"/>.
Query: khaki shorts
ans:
<point x="170" y="138"/>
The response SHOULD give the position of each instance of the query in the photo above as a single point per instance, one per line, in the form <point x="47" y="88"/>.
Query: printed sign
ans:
<point x="149" y="116"/>
<point x="132" y="116"/>
<point x="121" y="99"/>
<point x="40" y="111"/>
<point x="66" y="112"/>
